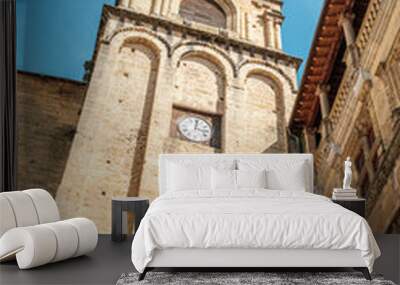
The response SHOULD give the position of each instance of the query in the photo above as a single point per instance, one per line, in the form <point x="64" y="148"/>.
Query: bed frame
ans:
<point x="245" y="259"/>
<point x="242" y="259"/>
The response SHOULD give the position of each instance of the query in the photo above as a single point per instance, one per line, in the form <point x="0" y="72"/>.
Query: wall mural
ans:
<point x="188" y="77"/>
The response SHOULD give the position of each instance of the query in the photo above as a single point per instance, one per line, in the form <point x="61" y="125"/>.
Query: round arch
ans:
<point x="139" y="35"/>
<point x="276" y="83"/>
<point x="274" y="72"/>
<point x="230" y="9"/>
<point x="286" y="90"/>
<point x="213" y="54"/>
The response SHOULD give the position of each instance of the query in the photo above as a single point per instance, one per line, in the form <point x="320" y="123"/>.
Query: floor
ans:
<point x="103" y="266"/>
<point x="110" y="260"/>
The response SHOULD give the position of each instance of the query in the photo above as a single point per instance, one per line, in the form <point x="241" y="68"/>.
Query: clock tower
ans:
<point x="176" y="76"/>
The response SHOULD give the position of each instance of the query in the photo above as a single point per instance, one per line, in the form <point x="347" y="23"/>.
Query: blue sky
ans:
<point x="56" y="37"/>
<point x="301" y="19"/>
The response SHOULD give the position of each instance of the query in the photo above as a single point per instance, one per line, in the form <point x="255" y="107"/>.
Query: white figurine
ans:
<point x="347" y="174"/>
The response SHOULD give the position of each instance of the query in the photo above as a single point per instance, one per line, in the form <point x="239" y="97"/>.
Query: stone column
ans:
<point x="269" y="30"/>
<point x="309" y="139"/>
<point x="322" y="93"/>
<point x="172" y="8"/>
<point x="167" y="8"/>
<point x="346" y="23"/>
<point x="243" y="25"/>
<point x="156" y="7"/>
<point x="266" y="30"/>
<point x="278" y="35"/>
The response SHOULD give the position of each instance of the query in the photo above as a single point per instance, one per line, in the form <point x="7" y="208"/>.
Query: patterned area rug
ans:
<point x="231" y="278"/>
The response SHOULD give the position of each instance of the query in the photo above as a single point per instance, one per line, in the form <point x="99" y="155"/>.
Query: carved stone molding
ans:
<point x="364" y="34"/>
<point x="173" y="26"/>
<point x="327" y="129"/>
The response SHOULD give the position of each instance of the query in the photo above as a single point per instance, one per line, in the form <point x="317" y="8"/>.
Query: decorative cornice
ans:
<point x="368" y="23"/>
<point x="219" y="38"/>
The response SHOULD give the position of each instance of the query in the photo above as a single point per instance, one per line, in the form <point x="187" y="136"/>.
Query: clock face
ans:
<point x="195" y="129"/>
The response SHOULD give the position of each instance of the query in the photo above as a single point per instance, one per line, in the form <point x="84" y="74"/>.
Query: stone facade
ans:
<point x="363" y="121"/>
<point x="48" y="111"/>
<point x="153" y="66"/>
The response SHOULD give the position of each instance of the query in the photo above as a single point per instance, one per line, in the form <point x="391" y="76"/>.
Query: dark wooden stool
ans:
<point x="120" y="206"/>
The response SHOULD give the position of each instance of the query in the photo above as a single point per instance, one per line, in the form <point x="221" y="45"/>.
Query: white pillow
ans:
<point x="181" y="177"/>
<point x="251" y="178"/>
<point x="223" y="179"/>
<point x="291" y="178"/>
<point x="281" y="174"/>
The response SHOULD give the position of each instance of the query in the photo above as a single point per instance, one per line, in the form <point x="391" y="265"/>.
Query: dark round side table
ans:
<point x="120" y="206"/>
<point x="357" y="205"/>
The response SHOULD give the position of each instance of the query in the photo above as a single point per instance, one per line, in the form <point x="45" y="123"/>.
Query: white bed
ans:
<point x="248" y="226"/>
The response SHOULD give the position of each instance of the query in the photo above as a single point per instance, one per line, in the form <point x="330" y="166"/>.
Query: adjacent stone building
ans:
<point x="349" y="104"/>
<point x="161" y="67"/>
<point x="48" y="111"/>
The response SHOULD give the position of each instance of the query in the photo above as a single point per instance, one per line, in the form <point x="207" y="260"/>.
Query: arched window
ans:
<point x="203" y="11"/>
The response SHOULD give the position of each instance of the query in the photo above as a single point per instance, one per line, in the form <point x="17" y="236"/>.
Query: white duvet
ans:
<point x="250" y="218"/>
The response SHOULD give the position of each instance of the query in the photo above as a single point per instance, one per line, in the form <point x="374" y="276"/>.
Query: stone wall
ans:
<point x="47" y="115"/>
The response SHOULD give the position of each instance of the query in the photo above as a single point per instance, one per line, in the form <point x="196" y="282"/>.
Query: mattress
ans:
<point x="250" y="219"/>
